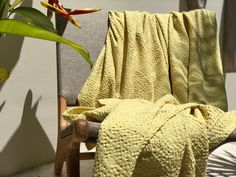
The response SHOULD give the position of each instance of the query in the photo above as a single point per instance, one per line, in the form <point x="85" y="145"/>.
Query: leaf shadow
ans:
<point x="10" y="47"/>
<point x="2" y="105"/>
<point x="29" y="146"/>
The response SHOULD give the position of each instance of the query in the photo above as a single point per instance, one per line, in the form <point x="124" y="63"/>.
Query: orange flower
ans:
<point x="57" y="7"/>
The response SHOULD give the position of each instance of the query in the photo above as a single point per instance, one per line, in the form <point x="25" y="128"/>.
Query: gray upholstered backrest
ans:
<point x="72" y="69"/>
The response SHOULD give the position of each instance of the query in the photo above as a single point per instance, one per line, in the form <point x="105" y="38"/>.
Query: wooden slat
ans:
<point x="87" y="155"/>
<point x="229" y="36"/>
<point x="196" y="4"/>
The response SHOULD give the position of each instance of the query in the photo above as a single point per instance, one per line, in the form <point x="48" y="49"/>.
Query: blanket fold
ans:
<point x="140" y="138"/>
<point x="150" y="55"/>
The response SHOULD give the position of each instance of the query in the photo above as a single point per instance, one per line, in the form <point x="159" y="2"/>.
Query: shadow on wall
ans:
<point x="10" y="47"/>
<point x="2" y="105"/>
<point x="28" y="143"/>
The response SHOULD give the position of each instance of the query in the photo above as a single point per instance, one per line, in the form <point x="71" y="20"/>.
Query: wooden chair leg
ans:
<point x="73" y="159"/>
<point x="73" y="152"/>
<point x="62" y="143"/>
<point x="80" y="133"/>
<point x="60" y="157"/>
<point x="59" y="160"/>
<point x="69" y="146"/>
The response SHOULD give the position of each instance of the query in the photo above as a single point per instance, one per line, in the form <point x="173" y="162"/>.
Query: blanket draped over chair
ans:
<point x="158" y="89"/>
<point x="150" y="55"/>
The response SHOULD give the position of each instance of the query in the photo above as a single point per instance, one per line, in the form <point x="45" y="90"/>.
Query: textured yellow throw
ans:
<point x="139" y="138"/>
<point x="150" y="55"/>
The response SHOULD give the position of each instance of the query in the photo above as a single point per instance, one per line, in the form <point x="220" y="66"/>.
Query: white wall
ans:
<point x="230" y="90"/>
<point x="28" y="117"/>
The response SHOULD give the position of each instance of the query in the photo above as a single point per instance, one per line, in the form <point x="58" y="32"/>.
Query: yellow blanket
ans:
<point x="150" y="55"/>
<point x="139" y="138"/>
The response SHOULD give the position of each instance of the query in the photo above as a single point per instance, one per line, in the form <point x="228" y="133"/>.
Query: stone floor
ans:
<point x="222" y="163"/>
<point x="46" y="170"/>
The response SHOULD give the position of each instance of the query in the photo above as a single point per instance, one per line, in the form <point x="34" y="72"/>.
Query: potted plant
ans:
<point x="37" y="25"/>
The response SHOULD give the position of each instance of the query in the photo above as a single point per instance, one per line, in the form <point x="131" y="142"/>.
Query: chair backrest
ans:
<point x="72" y="69"/>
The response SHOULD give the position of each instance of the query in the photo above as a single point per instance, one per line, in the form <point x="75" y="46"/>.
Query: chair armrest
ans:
<point x="232" y="137"/>
<point x="85" y="131"/>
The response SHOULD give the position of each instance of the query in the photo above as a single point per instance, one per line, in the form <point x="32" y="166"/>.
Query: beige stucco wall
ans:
<point x="28" y="118"/>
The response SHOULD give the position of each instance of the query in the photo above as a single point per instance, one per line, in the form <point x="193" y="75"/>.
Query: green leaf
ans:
<point x="22" y="29"/>
<point x="35" y="17"/>
<point x="15" y="3"/>
<point x="4" y="74"/>
<point x="3" y="4"/>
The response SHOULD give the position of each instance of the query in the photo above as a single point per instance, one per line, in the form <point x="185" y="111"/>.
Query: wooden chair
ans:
<point x="72" y="72"/>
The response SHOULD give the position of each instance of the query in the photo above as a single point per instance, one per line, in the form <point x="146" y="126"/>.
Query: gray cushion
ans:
<point x="72" y="69"/>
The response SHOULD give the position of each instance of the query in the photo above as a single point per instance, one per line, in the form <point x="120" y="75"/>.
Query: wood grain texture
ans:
<point x="229" y="36"/>
<point x="196" y="4"/>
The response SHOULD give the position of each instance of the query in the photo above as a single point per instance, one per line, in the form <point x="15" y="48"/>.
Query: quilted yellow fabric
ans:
<point x="150" y="55"/>
<point x="139" y="138"/>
